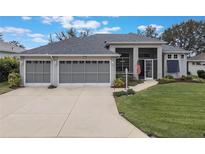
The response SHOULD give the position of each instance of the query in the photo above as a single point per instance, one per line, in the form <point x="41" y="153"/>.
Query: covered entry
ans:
<point x="84" y="71"/>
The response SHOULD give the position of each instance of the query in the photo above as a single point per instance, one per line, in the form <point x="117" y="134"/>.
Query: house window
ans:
<point x="175" y="56"/>
<point x="123" y="62"/>
<point x="169" y="56"/>
<point x="198" y="63"/>
<point x="193" y="63"/>
<point x="182" y="56"/>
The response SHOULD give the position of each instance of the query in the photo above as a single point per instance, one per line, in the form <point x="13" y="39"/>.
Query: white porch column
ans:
<point x="159" y="62"/>
<point x="135" y="60"/>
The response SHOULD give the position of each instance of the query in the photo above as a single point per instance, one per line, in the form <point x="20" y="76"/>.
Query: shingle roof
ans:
<point x="94" y="44"/>
<point x="7" y="47"/>
<point x="201" y="56"/>
<point x="172" y="49"/>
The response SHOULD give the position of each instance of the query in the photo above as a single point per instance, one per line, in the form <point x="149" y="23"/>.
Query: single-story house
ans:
<point x="8" y="49"/>
<point x="97" y="59"/>
<point x="196" y="63"/>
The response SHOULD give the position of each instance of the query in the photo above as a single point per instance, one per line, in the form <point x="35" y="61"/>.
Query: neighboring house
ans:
<point x="196" y="63"/>
<point x="98" y="58"/>
<point x="7" y="49"/>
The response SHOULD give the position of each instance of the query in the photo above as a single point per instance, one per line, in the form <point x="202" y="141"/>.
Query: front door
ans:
<point x="148" y="69"/>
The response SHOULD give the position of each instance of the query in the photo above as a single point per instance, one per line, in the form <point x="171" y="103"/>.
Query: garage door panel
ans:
<point x="77" y="66"/>
<point x="65" y="78"/>
<point x="29" y="78"/>
<point x="46" y="78"/>
<point x="78" y="78"/>
<point x="103" y="77"/>
<point x="91" y="71"/>
<point x="104" y="66"/>
<point x="46" y="67"/>
<point x="37" y="71"/>
<point x="91" y="77"/>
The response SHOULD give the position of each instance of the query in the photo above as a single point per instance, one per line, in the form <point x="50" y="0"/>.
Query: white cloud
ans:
<point x="65" y="21"/>
<point x="90" y="24"/>
<point x="104" y="22"/>
<point x="143" y="27"/>
<point x="26" y="18"/>
<point x="107" y="30"/>
<point x="68" y="22"/>
<point x="36" y="35"/>
<point x="39" y="40"/>
<point x="14" y="30"/>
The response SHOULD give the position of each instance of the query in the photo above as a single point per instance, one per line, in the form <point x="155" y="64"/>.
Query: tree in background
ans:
<point x="189" y="35"/>
<point x="17" y="44"/>
<point x="85" y="33"/>
<point x="72" y="32"/>
<point x="150" y="31"/>
<point x="1" y="37"/>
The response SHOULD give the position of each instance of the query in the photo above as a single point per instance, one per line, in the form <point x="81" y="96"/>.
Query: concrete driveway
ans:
<point x="62" y="112"/>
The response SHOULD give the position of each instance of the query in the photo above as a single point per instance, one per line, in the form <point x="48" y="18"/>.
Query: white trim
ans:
<point x="145" y="70"/>
<point x="111" y="43"/>
<point x="36" y="84"/>
<point x="71" y="55"/>
<point x="195" y="60"/>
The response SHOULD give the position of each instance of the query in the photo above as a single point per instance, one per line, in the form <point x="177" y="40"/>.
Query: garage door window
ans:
<point x="37" y="71"/>
<point x="84" y="72"/>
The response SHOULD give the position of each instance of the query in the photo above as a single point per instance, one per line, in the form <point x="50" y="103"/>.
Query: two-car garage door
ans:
<point x="84" y="71"/>
<point x="78" y="71"/>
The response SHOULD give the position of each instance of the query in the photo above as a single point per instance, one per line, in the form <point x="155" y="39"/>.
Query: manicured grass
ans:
<point x="167" y="110"/>
<point x="4" y="87"/>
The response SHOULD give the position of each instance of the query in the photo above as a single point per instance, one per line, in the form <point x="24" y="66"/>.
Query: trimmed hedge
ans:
<point x="124" y="93"/>
<point x="8" y="65"/>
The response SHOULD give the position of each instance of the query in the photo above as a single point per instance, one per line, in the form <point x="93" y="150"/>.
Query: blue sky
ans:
<point x="34" y="31"/>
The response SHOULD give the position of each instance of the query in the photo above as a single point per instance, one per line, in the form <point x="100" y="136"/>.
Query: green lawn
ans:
<point x="167" y="110"/>
<point x="4" y="87"/>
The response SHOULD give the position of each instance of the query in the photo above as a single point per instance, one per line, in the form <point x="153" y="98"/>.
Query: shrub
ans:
<point x="123" y="93"/>
<point x="165" y="80"/>
<point x="118" y="83"/>
<point x="52" y="86"/>
<point x="130" y="92"/>
<point x="169" y="77"/>
<point x="201" y="74"/>
<point x="119" y="93"/>
<point x="8" y="65"/>
<point x="14" y="80"/>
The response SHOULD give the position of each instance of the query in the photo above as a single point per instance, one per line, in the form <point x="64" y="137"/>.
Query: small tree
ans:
<point x="17" y="44"/>
<point x="85" y="33"/>
<point x="150" y="31"/>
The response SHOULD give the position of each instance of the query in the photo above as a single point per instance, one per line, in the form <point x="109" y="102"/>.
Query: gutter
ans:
<point x="71" y="55"/>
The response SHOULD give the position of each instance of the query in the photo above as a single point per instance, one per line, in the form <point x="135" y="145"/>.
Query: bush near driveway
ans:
<point x="167" y="110"/>
<point x="8" y="65"/>
<point x="14" y="80"/>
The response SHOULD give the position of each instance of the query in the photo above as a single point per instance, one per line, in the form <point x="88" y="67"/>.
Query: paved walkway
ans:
<point x="146" y="84"/>
<point x="63" y="112"/>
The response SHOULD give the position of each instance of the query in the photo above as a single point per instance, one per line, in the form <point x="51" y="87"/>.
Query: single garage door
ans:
<point x="84" y="71"/>
<point x="38" y="71"/>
